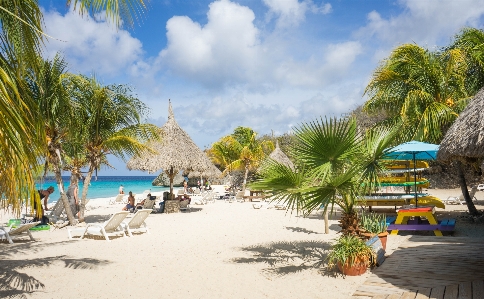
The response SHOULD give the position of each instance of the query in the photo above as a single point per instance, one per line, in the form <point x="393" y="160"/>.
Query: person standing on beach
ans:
<point x="121" y="191"/>
<point x="185" y="186"/>
<point x="72" y="192"/>
<point x="44" y="194"/>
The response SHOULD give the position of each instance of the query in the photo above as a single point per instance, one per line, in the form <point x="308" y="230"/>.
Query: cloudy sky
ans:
<point x="264" y="64"/>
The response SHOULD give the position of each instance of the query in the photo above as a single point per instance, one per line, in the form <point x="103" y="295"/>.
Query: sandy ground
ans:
<point x="219" y="250"/>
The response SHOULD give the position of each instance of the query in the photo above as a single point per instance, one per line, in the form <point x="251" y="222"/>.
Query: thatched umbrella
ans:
<point x="211" y="172"/>
<point x="279" y="156"/>
<point x="175" y="152"/>
<point x="464" y="142"/>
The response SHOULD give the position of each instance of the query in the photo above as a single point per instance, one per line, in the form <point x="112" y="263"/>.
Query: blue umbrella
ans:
<point x="413" y="150"/>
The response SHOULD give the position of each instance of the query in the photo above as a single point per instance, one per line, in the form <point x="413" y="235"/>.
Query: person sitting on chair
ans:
<point x="130" y="204"/>
<point x="141" y="203"/>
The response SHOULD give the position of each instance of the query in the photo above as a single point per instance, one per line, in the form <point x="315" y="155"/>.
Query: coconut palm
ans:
<point x="21" y="127"/>
<point x="240" y="151"/>
<point x="109" y="120"/>
<point x="471" y="42"/>
<point x="423" y="90"/>
<point x="334" y="164"/>
<point x="55" y="109"/>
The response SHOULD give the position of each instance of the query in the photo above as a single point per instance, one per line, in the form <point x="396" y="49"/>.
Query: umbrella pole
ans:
<point x="415" y="179"/>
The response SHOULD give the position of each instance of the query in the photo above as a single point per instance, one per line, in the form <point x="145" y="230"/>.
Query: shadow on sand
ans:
<point x="287" y="257"/>
<point x="15" y="284"/>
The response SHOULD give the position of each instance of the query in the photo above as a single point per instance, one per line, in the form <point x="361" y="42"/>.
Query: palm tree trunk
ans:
<point x="85" y="187"/>
<point x="463" y="186"/>
<point x="246" y="174"/>
<point x="60" y="185"/>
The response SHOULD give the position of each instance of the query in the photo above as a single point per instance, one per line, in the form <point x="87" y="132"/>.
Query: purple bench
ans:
<point x="413" y="225"/>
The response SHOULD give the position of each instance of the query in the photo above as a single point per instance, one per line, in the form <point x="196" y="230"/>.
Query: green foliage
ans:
<point x="332" y="160"/>
<point x="373" y="223"/>
<point x="423" y="90"/>
<point x="349" y="248"/>
<point x="471" y="42"/>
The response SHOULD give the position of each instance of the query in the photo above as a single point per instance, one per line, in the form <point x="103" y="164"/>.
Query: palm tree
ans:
<point x="55" y="109"/>
<point x="109" y="121"/>
<point x="22" y="129"/>
<point x="471" y="42"/>
<point x="334" y="165"/>
<point x="424" y="91"/>
<point x="239" y="151"/>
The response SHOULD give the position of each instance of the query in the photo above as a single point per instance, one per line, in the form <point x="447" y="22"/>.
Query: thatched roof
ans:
<point x="175" y="151"/>
<point x="279" y="156"/>
<point x="212" y="172"/>
<point x="465" y="138"/>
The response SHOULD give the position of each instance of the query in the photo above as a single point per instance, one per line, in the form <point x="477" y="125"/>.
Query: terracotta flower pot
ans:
<point x="358" y="268"/>
<point x="383" y="239"/>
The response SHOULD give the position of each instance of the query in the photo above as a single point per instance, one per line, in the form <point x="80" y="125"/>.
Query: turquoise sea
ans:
<point x="105" y="186"/>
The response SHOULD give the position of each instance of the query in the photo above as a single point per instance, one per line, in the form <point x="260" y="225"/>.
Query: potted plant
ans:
<point x="351" y="254"/>
<point x="372" y="224"/>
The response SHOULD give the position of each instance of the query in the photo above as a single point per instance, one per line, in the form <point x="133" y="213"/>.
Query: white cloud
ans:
<point x="90" y="45"/>
<point x="293" y="12"/>
<point x="229" y="51"/>
<point x="423" y="22"/>
<point x="225" y="49"/>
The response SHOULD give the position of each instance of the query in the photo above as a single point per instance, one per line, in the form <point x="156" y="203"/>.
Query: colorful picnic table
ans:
<point x="404" y="221"/>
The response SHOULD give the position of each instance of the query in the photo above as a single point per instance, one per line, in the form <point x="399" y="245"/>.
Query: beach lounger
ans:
<point x="460" y="199"/>
<point x="109" y="228"/>
<point x="137" y="223"/>
<point x="184" y="205"/>
<point x="12" y="233"/>
<point x="239" y="196"/>
<point x="56" y="212"/>
<point x="119" y="199"/>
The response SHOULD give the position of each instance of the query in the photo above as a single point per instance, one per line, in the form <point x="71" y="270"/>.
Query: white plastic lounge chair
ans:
<point x="137" y="223"/>
<point x="56" y="212"/>
<point x="460" y="199"/>
<point x="109" y="228"/>
<point x="119" y="199"/>
<point x="239" y="196"/>
<point x="12" y="233"/>
<point x="184" y="205"/>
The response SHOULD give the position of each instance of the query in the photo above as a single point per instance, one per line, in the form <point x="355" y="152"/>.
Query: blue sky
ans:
<point x="265" y="64"/>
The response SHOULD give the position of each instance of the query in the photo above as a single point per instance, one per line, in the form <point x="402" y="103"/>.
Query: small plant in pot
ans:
<point x="372" y="224"/>
<point x="351" y="255"/>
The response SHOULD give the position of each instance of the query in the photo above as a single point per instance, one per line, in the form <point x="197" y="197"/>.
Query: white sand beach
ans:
<point x="218" y="250"/>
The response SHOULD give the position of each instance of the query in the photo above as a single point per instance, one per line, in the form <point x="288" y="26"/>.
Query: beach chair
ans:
<point x="148" y="204"/>
<point x="11" y="233"/>
<point x="118" y="199"/>
<point x="184" y="205"/>
<point x="109" y="228"/>
<point x="56" y="212"/>
<point x="460" y="199"/>
<point x="239" y="196"/>
<point x="137" y="223"/>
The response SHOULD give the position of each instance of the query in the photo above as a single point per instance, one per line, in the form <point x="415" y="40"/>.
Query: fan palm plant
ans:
<point x="334" y="165"/>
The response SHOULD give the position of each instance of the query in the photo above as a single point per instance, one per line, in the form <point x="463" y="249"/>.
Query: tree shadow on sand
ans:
<point x="301" y="230"/>
<point x="288" y="257"/>
<point x="15" y="284"/>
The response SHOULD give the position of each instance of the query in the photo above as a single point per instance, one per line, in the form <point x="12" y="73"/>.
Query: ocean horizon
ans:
<point x="104" y="186"/>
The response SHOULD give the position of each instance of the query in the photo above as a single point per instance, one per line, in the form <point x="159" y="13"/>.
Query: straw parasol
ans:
<point x="175" y="152"/>
<point x="279" y="156"/>
<point x="464" y="141"/>
<point x="465" y="138"/>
